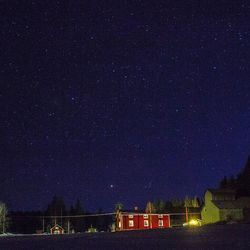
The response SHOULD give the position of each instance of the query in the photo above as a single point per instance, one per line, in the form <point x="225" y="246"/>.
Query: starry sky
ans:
<point x="124" y="101"/>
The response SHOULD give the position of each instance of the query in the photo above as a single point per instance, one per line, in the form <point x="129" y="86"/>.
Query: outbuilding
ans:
<point x="56" y="229"/>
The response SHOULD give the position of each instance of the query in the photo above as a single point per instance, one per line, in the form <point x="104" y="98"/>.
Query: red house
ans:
<point x="56" y="229"/>
<point x="139" y="221"/>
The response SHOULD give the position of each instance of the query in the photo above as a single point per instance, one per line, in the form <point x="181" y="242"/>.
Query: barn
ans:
<point x="140" y="221"/>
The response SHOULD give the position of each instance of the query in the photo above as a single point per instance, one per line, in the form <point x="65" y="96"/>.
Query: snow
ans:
<point x="218" y="237"/>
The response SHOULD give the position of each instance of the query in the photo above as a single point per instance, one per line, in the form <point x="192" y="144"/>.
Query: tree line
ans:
<point x="240" y="183"/>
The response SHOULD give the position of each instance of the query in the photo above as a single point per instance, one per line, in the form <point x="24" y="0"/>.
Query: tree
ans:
<point x="241" y="183"/>
<point x="195" y="202"/>
<point x="56" y="208"/>
<point x="150" y="208"/>
<point x="176" y="203"/>
<point x="160" y="206"/>
<point x="118" y="206"/>
<point x="116" y="218"/>
<point x="224" y="182"/>
<point x="3" y="217"/>
<point x="243" y="180"/>
<point x="77" y="223"/>
<point x="78" y="207"/>
<point x="187" y="202"/>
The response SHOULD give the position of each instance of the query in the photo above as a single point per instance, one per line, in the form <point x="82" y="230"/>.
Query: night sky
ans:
<point x="124" y="101"/>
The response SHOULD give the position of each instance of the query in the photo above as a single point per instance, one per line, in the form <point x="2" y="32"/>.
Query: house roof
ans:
<point x="138" y="213"/>
<point x="225" y="204"/>
<point x="221" y="191"/>
<point x="243" y="202"/>
<point x="56" y="225"/>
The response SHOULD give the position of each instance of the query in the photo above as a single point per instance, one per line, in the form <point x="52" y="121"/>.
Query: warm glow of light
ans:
<point x="194" y="222"/>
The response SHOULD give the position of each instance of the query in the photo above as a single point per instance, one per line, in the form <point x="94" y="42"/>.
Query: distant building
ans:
<point x="140" y="221"/>
<point x="222" y="205"/>
<point x="56" y="229"/>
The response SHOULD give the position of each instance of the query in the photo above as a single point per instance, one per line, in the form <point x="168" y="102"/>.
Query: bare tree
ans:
<point x="3" y="217"/>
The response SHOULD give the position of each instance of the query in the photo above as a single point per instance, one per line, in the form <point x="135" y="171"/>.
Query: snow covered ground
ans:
<point x="217" y="237"/>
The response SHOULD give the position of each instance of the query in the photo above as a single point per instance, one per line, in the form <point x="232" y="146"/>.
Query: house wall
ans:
<point x="210" y="213"/>
<point x="144" y="221"/>
<point x="231" y="214"/>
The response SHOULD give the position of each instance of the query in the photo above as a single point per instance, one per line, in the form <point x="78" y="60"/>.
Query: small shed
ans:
<point x="56" y="229"/>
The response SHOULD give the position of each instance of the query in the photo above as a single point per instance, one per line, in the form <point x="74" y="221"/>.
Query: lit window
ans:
<point x="131" y="223"/>
<point x="145" y="216"/>
<point x="160" y="216"/>
<point x="146" y="223"/>
<point x="160" y="223"/>
<point x="130" y="216"/>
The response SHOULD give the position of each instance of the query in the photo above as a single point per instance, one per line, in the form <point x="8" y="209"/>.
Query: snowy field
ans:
<point x="218" y="237"/>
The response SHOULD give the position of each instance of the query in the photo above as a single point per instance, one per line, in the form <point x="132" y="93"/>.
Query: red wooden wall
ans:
<point x="134" y="221"/>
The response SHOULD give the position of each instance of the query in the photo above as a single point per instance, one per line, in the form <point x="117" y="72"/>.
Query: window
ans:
<point x="145" y="216"/>
<point x="160" y="223"/>
<point x="130" y="223"/>
<point x="130" y="216"/>
<point x="145" y="223"/>
<point x="160" y="216"/>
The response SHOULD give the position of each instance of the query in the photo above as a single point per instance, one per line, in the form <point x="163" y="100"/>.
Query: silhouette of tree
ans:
<point x="241" y="183"/>
<point x="56" y="207"/>
<point x="195" y="202"/>
<point x="78" y="224"/>
<point x="78" y="207"/>
<point x="150" y="208"/>
<point x="187" y="202"/>
<point x="224" y="182"/>
<point x="3" y="217"/>
<point x="176" y="203"/>
<point x="159" y="206"/>
<point x="118" y="206"/>
<point x="243" y="180"/>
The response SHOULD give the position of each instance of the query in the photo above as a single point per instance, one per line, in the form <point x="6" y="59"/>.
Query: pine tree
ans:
<point x="187" y="202"/>
<point x="243" y="180"/>
<point x="195" y="202"/>
<point x="78" y="207"/>
<point x="150" y="208"/>
<point x="224" y="182"/>
<point x="159" y="206"/>
<point x="118" y="206"/>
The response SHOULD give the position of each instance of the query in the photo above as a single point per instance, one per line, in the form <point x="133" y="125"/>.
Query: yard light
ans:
<point x="193" y="222"/>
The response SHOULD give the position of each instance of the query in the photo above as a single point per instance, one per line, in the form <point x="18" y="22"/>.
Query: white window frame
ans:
<point x="145" y="216"/>
<point x="160" y="223"/>
<point x="160" y="216"/>
<point x="130" y="216"/>
<point x="131" y="223"/>
<point x="146" y="224"/>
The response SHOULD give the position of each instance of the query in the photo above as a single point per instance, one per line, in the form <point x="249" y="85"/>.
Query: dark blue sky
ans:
<point x="121" y="100"/>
